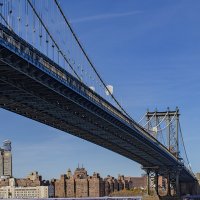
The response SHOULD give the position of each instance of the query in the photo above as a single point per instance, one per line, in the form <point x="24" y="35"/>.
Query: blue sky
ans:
<point x="150" y="52"/>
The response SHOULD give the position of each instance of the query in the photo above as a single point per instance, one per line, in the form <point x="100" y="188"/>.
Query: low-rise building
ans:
<point x="79" y="184"/>
<point x="26" y="192"/>
<point x="5" y="192"/>
<point x="137" y="182"/>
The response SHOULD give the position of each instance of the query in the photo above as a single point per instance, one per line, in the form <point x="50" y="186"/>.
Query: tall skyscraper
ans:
<point x="6" y="159"/>
<point x="1" y="161"/>
<point x="7" y="163"/>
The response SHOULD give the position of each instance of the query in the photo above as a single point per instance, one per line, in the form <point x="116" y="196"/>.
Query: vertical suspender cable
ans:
<point x="1" y="7"/>
<point x="4" y="11"/>
<point x="26" y="14"/>
<point x="184" y="146"/>
<point x="19" y="17"/>
<point x="34" y="25"/>
<point x="40" y="30"/>
<point x="10" y="12"/>
<point x="5" y="21"/>
<point x="91" y="64"/>
<point x="47" y="36"/>
<point x="54" y="42"/>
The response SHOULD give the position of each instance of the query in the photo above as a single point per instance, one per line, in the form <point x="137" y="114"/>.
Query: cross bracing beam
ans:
<point x="162" y="114"/>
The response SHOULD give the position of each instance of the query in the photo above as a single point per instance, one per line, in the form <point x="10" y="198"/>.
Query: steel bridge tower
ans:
<point x="169" y="134"/>
<point x="172" y="128"/>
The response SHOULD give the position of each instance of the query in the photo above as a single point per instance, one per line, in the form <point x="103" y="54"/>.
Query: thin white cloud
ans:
<point x="105" y="16"/>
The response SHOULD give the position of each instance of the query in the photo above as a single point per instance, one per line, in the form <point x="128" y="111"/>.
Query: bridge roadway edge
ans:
<point x="128" y="130"/>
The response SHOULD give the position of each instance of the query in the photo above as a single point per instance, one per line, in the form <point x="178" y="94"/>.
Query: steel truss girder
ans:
<point x="16" y="84"/>
<point x="127" y="140"/>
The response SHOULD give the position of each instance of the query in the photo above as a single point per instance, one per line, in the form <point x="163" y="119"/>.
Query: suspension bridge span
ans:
<point x="42" y="80"/>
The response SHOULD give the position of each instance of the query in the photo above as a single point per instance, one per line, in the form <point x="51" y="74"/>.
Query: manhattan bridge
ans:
<point x="46" y="75"/>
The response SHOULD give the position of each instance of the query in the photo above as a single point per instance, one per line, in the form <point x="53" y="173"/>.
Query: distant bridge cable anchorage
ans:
<point x="88" y="59"/>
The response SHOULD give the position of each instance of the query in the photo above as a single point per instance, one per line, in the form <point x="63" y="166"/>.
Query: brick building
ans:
<point x="96" y="186"/>
<point x="4" y="182"/>
<point x="82" y="185"/>
<point x="30" y="187"/>
<point x="136" y="182"/>
<point x="32" y="180"/>
<point x="79" y="184"/>
<point x="70" y="183"/>
<point x="60" y="186"/>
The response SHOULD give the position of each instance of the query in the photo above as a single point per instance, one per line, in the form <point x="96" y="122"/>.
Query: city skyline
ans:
<point x="71" y="184"/>
<point x="7" y="148"/>
<point x="158" y="47"/>
<point x="77" y="183"/>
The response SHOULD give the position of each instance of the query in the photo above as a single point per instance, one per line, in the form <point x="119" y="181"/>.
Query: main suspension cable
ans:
<point x="41" y="21"/>
<point x="150" y="119"/>
<point x="184" y="147"/>
<point x="6" y="22"/>
<point x="162" y="120"/>
<point x="88" y="59"/>
<point x="168" y="123"/>
<point x="142" y="118"/>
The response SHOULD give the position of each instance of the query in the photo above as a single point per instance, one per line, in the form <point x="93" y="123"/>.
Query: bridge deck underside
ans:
<point x="30" y="92"/>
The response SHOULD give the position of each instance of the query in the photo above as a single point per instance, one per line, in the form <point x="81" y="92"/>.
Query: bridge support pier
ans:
<point x="168" y="185"/>
<point x="152" y="180"/>
<point x="166" y="182"/>
<point x="148" y="183"/>
<point x="178" y="193"/>
<point x="156" y="183"/>
<point x="173" y="183"/>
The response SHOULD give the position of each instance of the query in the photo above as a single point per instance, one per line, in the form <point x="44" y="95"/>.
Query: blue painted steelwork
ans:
<point x="16" y="47"/>
<point x="71" y="82"/>
<point x="191" y="197"/>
